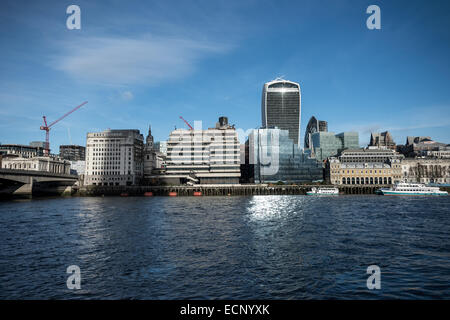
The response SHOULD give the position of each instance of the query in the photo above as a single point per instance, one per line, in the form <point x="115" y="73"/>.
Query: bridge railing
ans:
<point x="36" y="173"/>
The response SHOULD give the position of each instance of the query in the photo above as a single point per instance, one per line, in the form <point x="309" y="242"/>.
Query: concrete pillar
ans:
<point x="26" y="190"/>
<point x="67" y="191"/>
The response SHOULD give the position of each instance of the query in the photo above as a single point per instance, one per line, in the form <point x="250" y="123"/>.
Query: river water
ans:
<point x="259" y="247"/>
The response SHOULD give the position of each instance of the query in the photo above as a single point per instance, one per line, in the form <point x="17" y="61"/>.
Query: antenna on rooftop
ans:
<point x="70" y="136"/>
<point x="282" y="77"/>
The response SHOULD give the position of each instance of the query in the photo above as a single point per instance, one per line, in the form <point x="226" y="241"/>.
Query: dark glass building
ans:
<point x="281" y="107"/>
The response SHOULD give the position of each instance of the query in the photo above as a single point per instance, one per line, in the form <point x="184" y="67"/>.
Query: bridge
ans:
<point x="26" y="183"/>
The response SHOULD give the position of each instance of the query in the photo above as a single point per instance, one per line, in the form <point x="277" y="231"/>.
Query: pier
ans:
<point x="217" y="190"/>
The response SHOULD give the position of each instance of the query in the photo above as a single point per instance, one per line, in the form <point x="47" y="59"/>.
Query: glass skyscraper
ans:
<point x="275" y="158"/>
<point x="314" y="126"/>
<point x="281" y="107"/>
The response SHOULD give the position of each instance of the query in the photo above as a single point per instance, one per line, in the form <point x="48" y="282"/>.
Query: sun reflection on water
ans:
<point x="264" y="208"/>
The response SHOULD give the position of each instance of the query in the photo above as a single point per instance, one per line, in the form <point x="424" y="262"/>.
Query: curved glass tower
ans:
<point x="281" y="107"/>
<point x="314" y="126"/>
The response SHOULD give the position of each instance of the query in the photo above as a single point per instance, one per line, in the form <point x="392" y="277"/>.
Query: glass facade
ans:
<point x="281" y="107"/>
<point x="350" y="140"/>
<point x="327" y="144"/>
<point x="277" y="158"/>
<point x="313" y="126"/>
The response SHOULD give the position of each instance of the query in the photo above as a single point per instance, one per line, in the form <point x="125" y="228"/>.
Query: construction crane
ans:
<point x="47" y="127"/>
<point x="190" y="127"/>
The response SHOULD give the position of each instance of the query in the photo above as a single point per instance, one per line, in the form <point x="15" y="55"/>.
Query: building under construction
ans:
<point x="72" y="152"/>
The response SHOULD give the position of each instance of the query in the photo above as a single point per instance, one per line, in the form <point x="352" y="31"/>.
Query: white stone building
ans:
<point x="363" y="173"/>
<point x="114" y="157"/>
<point x="372" y="165"/>
<point x="440" y="153"/>
<point x="426" y="170"/>
<point x="44" y="164"/>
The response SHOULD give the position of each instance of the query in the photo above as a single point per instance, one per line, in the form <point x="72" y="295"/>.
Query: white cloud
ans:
<point x="124" y="61"/>
<point x="127" y="95"/>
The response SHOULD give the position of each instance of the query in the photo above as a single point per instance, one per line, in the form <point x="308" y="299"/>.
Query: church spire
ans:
<point x="149" y="141"/>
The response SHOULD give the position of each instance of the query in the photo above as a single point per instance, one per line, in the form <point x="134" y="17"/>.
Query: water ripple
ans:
<point x="261" y="247"/>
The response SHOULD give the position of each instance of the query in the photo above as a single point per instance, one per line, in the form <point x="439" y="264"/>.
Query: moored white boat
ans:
<point x="412" y="189"/>
<point x="323" y="191"/>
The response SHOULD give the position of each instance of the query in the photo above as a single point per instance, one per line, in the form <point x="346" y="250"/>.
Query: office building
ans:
<point x="39" y="144"/>
<point x="439" y="152"/>
<point x="161" y="146"/>
<point x="426" y="170"/>
<point x="369" y="155"/>
<point x="314" y="126"/>
<point x="360" y="173"/>
<point x="114" y="157"/>
<point x="242" y="153"/>
<point x="273" y="157"/>
<point x="78" y="167"/>
<point x="281" y="107"/>
<point x="379" y="166"/>
<point x="72" y="152"/>
<point x="424" y="147"/>
<point x="200" y="156"/>
<point x="328" y="144"/>
<point x="19" y="150"/>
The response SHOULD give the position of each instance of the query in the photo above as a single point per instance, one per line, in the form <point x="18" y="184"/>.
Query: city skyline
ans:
<point x="145" y="64"/>
<point x="236" y="157"/>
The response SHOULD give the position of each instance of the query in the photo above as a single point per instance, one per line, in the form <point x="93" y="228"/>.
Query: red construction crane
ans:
<point x="190" y="127"/>
<point x="47" y="127"/>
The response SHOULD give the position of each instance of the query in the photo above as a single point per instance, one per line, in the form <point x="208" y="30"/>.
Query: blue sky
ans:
<point x="148" y="62"/>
